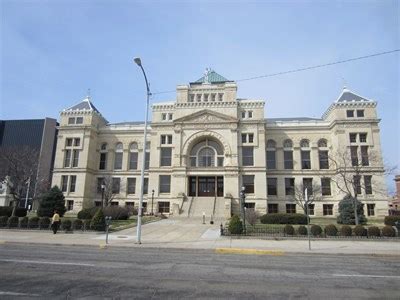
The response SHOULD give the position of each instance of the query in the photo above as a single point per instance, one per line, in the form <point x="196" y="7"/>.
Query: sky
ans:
<point x="52" y="52"/>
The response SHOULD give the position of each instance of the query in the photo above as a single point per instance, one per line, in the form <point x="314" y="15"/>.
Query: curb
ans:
<point x="249" y="251"/>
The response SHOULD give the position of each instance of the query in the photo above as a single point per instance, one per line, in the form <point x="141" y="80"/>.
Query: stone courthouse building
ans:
<point x="207" y="144"/>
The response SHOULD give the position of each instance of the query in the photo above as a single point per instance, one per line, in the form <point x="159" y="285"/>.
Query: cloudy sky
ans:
<point x="52" y="52"/>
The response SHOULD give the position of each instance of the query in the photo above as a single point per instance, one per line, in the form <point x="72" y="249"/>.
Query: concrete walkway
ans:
<point x="190" y="233"/>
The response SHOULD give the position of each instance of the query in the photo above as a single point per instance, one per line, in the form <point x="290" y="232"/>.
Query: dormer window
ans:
<point x="170" y="117"/>
<point x="249" y="114"/>
<point x="360" y="113"/>
<point x="191" y="98"/>
<point x="79" y="120"/>
<point x="350" y="113"/>
<point x="243" y="114"/>
<point x="198" y="97"/>
<point x="220" y="97"/>
<point x="71" y="121"/>
<point x="163" y="117"/>
<point x="213" y="97"/>
<point x="205" y="97"/>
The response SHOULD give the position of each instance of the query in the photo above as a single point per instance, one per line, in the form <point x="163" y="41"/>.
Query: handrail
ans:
<point x="190" y="206"/>
<point x="215" y="201"/>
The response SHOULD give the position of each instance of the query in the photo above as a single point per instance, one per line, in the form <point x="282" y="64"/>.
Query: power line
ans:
<point x="305" y="68"/>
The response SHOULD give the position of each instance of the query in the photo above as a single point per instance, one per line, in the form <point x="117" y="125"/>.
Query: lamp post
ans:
<point x="308" y="217"/>
<point x="138" y="61"/>
<point x="103" y="187"/>
<point x="152" y="199"/>
<point x="242" y="200"/>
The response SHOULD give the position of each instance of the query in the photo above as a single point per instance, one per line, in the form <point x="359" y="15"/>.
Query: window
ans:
<point x="323" y="159"/>
<point x="68" y="142"/>
<point x="114" y="203"/>
<point x="350" y="113"/>
<point x="70" y="205"/>
<point x="290" y="208"/>
<point x="354" y="155"/>
<point x="371" y="209"/>
<point x="100" y="182"/>
<point x="363" y="137"/>
<point x="147" y="160"/>
<point x="116" y="185"/>
<point x="166" y="156"/>
<point x="103" y="156"/>
<point x="212" y="97"/>
<point x="289" y="186"/>
<point x="364" y="156"/>
<point x="288" y="159"/>
<point x="305" y="160"/>
<point x="357" y="184"/>
<point x="307" y="184"/>
<point x="247" y="156"/>
<point x="118" y="156"/>
<point x="165" y="183"/>
<point x="311" y="209"/>
<point x="353" y="137"/>
<point x="79" y="120"/>
<point x="243" y="114"/>
<point x="250" y="114"/>
<point x="360" y="113"/>
<point x="133" y="156"/>
<point x="207" y="153"/>
<point x="272" y="186"/>
<point x="130" y="204"/>
<point x="198" y="97"/>
<point x="64" y="183"/>
<point x="248" y="183"/>
<point x="146" y="186"/>
<point x="163" y="117"/>
<point x="326" y="186"/>
<point x="205" y="97"/>
<point x="103" y="147"/>
<point x="247" y="138"/>
<point x="166" y="139"/>
<point x="368" y="184"/>
<point x="98" y="203"/>
<point x="322" y="143"/>
<point x="272" y="208"/>
<point x="305" y="144"/>
<point x="191" y="98"/>
<point x="72" y="184"/>
<point x="71" y="121"/>
<point x="327" y="209"/>
<point x="67" y="158"/>
<point x="163" y="207"/>
<point x="75" y="160"/>
<point x="271" y="159"/>
<point x="220" y="97"/>
<point x="131" y="185"/>
<point x="77" y="142"/>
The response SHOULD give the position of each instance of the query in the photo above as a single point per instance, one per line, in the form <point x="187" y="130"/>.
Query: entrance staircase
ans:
<point x="211" y="206"/>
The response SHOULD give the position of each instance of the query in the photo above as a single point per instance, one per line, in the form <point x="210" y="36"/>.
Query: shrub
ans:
<point x="345" y="230"/>
<point x="33" y="222"/>
<point x="86" y="224"/>
<point x="12" y="222"/>
<point x="98" y="222"/>
<point x="116" y="212"/>
<point x="7" y="211"/>
<point x="388" y="231"/>
<point x="44" y="223"/>
<point x="283" y="219"/>
<point x="51" y="201"/>
<point x="316" y="230"/>
<point x="302" y="230"/>
<point x="374" y="231"/>
<point x="235" y="225"/>
<point x="360" y="230"/>
<point x="346" y="212"/>
<point x="3" y="221"/>
<point x="77" y="224"/>
<point x="390" y="220"/>
<point x="87" y="213"/>
<point x="289" y="230"/>
<point x="66" y="224"/>
<point x="331" y="230"/>
<point x="23" y="222"/>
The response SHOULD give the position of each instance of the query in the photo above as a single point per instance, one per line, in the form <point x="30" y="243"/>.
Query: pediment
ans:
<point x="206" y="116"/>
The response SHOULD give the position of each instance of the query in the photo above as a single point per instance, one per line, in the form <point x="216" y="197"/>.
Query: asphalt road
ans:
<point x="74" y="272"/>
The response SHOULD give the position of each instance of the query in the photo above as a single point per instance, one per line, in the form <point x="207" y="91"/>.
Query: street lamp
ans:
<point x="152" y="198"/>
<point x="242" y="200"/>
<point x="138" y="61"/>
<point x="103" y="187"/>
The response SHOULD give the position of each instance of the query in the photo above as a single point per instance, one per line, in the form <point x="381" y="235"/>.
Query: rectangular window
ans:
<point x="350" y="113"/>
<point x="357" y="184"/>
<point x="191" y="98"/>
<point x="368" y="184"/>
<point x="272" y="208"/>
<point x="71" y="121"/>
<point x="290" y="208"/>
<point x="353" y="137"/>
<point x="250" y="205"/>
<point x="371" y="209"/>
<point x="133" y="160"/>
<point x="145" y="186"/>
<point x="289" y="186"/>
<point x="243" y="114"/>
<point x="97" y="203"/>
<point x="75" y="160"/>
<point x="244" y="138"/>
<point x="360" y="113"/>
<point x="77" y="142"/>
<point x="103" y="161"/>
<point x="271" y="160"/>
<point x="68" y="142"/>
<point x="220" y="97"/>
<point x="364" y="156"/>
<point x="311" y="209"/>
<point x="205" y="97"/>
<point x="165" y="183"/>
<point x="147" y="162"/>
<point x="305" y="160"/>
<point x="272" y="186"/>
<point x="170" y="116"/>
<point x="288" y="160"/>
<point x="163" y="207"/>
<point x="118" y="161"/>
<point x="72" y="184"/>
<point x="67" y="159"/>
<point x="323" y="160"/>
<point x="198" y="97"/>
<point x="251" y="137"/>
<point x="307" y="184"/>
<point x="131" y="185"/>
<point x="247" y="156"/>
<point x="354" y="155"/>
<point x="100" y="181"/>
<point x="248" y="183"/>
<point x="130" y="204"/>
<point x="326" y="186"/>
<point x="166" y="156"/>
<point x="327" y="209"/>
<point x="363" y="137"/>
<point x="70" y="205"/>
<point x="250" y="114"/>
<point x="116" y="185"/>
<point x="212" y="97"/>
<point x="64" y="183"/>
<point x="79" y="120"/>
<point x="166" y="139"/>
<point x="114" y="203"/>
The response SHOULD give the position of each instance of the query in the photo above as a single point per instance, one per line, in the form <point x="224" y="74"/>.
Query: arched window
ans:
<point x="103" y="156"/>
<point x="118" y="156"/>
<point x="288" y="144"/>
<point x="271" y="144"/>
<point x="305" y="143"/>
<point x="271" y="154"/>
<point x="133" y="156"/>
<point x="103" y="147"/>
<point x="305" y="154"/>
<point x="288" y="154"/>
<point x="207" y="153"/>
<point x="322" y="143"/>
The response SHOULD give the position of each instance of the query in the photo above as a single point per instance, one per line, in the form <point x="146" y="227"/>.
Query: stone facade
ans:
<point x="207" y="144"/>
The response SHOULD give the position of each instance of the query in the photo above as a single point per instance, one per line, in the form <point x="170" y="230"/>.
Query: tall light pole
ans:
<point x="139" y="221"/>
<point x="243" y="201"/>
<point x="306" y="202"/>
<point x="152" y="198"/>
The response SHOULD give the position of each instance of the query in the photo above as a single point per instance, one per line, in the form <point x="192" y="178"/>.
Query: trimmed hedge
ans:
<point x="3" y="221"/>
<point x="235" y="225"/>
<point x="390" y="220"/>
<point x="33" y="222"/>
<point x="87" y="213"/>
<point x="284" y="219"/>
<point x="346" y="230"/>
<point x="12" y="222"/>
<point x="23" y="222"/>
<point x="360" y="230"/>
<point x="289" y="230"/>
<point x="7" y="211"/>
<point x="77" y="224"/>
<point x="116" y="212"/>
<point x="316" y="230"/>
<point x="331" y="230"/>
<point x="66" y="225"/>
<point x="44" y="223"/>
<point x="374" y="231"/>
<point x="388" y="231"/>
<point x="302" y="230"/>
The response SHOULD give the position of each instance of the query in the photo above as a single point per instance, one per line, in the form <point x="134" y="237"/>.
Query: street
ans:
<point x="73" y="272"/>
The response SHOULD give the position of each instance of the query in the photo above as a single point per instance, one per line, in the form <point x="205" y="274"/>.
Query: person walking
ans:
<point x="55" y="222"/>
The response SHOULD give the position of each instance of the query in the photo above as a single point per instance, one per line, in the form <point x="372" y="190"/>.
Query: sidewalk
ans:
<point x="191" y="234"/>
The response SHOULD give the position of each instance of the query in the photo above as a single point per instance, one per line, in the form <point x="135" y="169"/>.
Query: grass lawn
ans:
<point x="131" y="222"/>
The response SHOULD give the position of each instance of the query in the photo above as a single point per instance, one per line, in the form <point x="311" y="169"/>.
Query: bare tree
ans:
<point x="251" y="216"/>
<point x="109" y="188"/>
<point x="18" y="166"/>
<point x="313" y="194"/>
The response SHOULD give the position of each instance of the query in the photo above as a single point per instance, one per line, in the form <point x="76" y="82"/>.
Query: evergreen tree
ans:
<point x="98" y="221"/>
<point x="346" y="211"/>
<point x="51" y="201"/>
